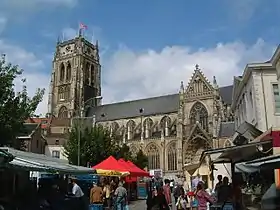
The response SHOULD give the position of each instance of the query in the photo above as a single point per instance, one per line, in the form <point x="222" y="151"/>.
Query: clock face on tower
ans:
<point x="66" y="50"/>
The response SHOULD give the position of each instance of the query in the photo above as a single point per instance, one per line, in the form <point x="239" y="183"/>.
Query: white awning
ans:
<point x="19" y="163"/>
<point x="246" y="168"/>
<point x="269" y="162"/>
<point x="240" y="153"/>
<point x="39" y="162"/>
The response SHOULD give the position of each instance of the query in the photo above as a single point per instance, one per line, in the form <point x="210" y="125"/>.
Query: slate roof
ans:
<point x="227" y="129"/>
<point x="226" y="93"/>
<point x="152" y="106"/>
<point x="28" y="128"/>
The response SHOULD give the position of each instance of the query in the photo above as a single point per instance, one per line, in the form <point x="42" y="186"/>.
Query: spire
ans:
<point x="58" y="40"/>
<point x="197" y="67"/>
<point x="215" y="85"/>
<point x="96" y="44"/>
<point x="182" y="87"/>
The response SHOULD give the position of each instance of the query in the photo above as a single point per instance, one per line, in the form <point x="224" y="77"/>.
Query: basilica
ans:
<point x="172" y="130"/>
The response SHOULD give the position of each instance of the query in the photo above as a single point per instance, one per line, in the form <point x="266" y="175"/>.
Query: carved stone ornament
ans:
<point x="152" y="149"/>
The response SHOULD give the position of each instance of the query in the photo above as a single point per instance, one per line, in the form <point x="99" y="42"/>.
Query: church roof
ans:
<point x="227" y="129"/>
<point x="151" y="106"/>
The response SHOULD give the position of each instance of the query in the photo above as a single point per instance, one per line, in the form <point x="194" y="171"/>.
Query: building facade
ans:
<point x="75" y="79"/>
<point x="32" y="137"/>
<point x="256" y="96"/>
<point x="172" y="130"/>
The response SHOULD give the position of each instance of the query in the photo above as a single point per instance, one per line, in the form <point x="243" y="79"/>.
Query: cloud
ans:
<point x="32" y="65"/>
<point x="131" y="75"/>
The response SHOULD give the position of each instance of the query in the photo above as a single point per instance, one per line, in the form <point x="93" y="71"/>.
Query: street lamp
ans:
<point x="141" y="111"/>
<point x="80" y="111"/>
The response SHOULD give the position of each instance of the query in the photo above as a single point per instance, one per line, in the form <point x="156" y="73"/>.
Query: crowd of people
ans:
<point x="224" y="195"/>
<point x="110" y="193"/>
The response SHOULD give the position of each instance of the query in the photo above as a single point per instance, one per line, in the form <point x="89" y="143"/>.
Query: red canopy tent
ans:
<point x="110" y="164"/>
<point x="140" y="171"/>
<point x="133" y="170"/>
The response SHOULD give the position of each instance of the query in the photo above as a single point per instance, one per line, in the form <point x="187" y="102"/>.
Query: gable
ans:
<point x="236" y="82"/>
<point x="276" y="56"/>
<point x="198" y="133"/>
<point x="198" y="85"/>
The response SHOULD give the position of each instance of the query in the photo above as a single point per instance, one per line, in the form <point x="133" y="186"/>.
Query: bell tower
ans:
<point x="76" y="78"/>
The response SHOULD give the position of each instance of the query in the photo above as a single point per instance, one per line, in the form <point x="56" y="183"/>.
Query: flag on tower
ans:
<point x="82" y="27"/>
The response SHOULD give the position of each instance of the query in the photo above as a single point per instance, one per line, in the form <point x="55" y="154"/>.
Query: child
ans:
<point x="181" y="202"/>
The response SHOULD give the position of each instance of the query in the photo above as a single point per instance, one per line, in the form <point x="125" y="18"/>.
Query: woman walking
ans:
<point x="202" y="197"/>
<point x="158" y="201"/>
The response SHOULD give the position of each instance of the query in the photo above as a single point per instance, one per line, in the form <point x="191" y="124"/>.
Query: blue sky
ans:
<point x="147" y="46"/>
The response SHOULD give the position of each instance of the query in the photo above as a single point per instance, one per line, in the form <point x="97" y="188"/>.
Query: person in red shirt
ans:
<point x="167" y="192"/>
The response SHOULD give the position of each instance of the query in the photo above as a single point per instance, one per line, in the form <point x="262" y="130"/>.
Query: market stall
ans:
<point x="38" y="162"/>
<point x="111" y="167"/>
<point x="136" y="188"/>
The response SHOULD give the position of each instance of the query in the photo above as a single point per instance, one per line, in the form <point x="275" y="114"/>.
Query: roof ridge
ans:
<point x="141" y="99"/>
<point x="148" y="98"/>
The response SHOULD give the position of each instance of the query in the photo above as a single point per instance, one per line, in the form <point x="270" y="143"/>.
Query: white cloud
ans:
<point x="130" y="75"/>
<point x="32" y="66"/>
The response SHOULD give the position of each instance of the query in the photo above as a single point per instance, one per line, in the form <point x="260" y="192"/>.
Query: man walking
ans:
<point x="167" y="192"/>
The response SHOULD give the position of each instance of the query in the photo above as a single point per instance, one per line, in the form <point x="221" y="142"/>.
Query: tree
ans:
<point x="15" y="108"/>
<point x="141" y="160"/>
<point x="96" y="144"/>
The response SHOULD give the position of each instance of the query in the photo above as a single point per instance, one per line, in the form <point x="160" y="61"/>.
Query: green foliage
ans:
<point x="14" y="107"/>
<point x="141" y="160"/>
<point x="96" y="144"/>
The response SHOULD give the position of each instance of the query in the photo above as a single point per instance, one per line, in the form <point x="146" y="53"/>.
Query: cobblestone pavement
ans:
<point x="138" y="205"/>
<point x="141" y="205"/>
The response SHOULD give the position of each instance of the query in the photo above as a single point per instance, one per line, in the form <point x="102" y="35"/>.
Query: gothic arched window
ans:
<point x="92" y="73"/>
<point x="61" y="72"/>
<point x="148" y="123"/>
<point x="165" y="124"/>
<point x="63" y="113"/>
<point x="130" y="129"/>
<point x="68" y="72"/>
<point x="133" y="149"/>
<point x="114" y="128"/>
<point x="199" y="114"/>
<point x="153" y="157"/>
<point x="172" y="157"/>
<point x="87" y="74"/>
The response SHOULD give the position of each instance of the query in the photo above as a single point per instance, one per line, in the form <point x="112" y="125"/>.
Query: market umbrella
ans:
<point x="140" y="171"/>
<point x="111" y="166"/>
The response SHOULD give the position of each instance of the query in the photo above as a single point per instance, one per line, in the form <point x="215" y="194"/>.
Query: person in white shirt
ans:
<point x="78" y="193"/>
<point x="76" y="190"/>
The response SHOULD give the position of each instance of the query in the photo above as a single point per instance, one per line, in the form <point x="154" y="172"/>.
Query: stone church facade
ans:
<point x="172" y="130"/>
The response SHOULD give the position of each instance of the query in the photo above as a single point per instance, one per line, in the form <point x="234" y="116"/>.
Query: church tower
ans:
<point x="76" y="78"/>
